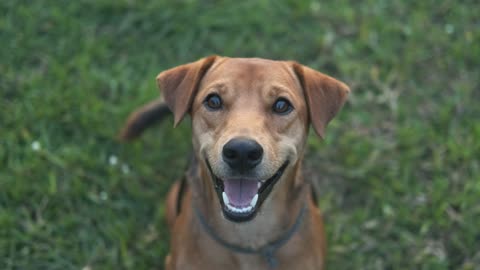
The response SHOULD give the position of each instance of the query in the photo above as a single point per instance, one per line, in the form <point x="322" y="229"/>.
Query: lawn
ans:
<point x="398" y="174"/>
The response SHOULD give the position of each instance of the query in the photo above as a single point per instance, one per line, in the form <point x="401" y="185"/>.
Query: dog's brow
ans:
<point x="277" y="90"/>
<point x="219" y="86"/>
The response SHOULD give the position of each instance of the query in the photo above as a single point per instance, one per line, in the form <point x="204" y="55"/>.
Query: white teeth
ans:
<point x="259" y="184"/>
<point x="239" y="210"/>
<point x="254" y="201"/>
<point x="225" y="198"/>
<point x="246" y="209"/>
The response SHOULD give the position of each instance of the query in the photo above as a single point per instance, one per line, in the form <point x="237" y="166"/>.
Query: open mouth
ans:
<point x="241" y="198"/>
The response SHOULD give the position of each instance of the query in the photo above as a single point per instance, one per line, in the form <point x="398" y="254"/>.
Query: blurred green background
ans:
<point x="398" y="174"/>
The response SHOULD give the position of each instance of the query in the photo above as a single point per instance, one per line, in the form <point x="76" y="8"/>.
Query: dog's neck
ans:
<point x="276" y="216"/>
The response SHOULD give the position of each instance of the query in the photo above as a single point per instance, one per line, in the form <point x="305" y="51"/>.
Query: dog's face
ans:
<point x="250" y="122"/>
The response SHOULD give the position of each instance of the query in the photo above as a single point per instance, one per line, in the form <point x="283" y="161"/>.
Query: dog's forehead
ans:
<point x="252" y="73"/>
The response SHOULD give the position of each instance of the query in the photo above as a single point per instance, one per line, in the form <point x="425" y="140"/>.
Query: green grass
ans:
<point x="399" y="172"/>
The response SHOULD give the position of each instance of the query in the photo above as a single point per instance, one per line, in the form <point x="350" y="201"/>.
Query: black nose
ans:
<point x="242" y="154"/>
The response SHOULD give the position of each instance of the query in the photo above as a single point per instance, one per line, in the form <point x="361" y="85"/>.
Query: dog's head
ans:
<point x="250" y="120"/>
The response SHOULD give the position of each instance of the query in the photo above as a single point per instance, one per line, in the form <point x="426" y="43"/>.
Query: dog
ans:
<point x="243" y="203"/>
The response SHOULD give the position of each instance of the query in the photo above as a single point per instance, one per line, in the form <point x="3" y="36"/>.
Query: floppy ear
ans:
<point x="325" y="96"/>
<point x="180" y="84"/>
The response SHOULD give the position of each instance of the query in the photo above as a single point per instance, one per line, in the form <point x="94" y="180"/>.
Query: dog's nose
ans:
<point x="242" y="154"/>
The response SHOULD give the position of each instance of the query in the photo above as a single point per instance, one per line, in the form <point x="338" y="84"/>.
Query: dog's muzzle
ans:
<point x="241" y="198"/>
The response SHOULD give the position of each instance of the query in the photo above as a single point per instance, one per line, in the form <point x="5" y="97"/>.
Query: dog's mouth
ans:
<point x="241" y="198"/>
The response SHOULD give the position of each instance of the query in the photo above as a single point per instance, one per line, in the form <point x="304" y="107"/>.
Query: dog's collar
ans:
<point x="267" y="251"/>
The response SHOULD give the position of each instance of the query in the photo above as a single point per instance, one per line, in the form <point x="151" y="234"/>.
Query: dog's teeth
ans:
<point x="233" y="208"/>
<point x="259" y="184"/>
<point x="225" y="198"/>
<point x="254" y="201"/>
<point x="239" y="210"/>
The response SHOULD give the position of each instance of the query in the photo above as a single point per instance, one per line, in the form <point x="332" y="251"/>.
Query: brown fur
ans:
<point x="248" y="88"/>
<point x="142" y="118"/>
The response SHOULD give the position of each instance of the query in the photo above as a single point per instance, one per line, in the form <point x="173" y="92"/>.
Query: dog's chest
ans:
<point x="209" y="255"/>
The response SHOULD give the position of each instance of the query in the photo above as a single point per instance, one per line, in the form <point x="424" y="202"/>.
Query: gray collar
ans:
<point x="267" y="251"/>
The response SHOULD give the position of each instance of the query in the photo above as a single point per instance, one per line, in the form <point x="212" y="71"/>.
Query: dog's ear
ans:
<point x="324" y="95"/>
<point x="180" y="84"/>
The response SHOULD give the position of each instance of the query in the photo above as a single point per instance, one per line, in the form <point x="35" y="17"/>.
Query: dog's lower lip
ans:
<point x="246" y="211"/>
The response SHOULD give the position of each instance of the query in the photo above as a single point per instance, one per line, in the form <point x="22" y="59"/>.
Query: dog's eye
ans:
<point x="282" y="106"/>
<point x="213" y="102"/>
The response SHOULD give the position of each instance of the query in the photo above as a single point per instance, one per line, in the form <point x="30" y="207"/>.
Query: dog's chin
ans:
<point x="241" y="198"/>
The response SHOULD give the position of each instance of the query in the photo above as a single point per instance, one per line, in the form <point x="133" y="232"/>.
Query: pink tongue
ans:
<point x="240" y="192"/>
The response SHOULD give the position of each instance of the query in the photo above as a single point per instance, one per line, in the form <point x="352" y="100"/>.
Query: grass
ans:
<point x="399" y="171"/>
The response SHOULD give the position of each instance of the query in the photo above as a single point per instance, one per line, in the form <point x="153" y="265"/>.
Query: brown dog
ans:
<point x="244" y="203"/>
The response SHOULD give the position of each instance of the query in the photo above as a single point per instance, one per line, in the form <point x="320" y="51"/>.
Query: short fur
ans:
<point x="248" y="87"/>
